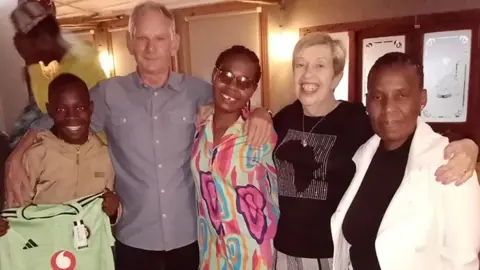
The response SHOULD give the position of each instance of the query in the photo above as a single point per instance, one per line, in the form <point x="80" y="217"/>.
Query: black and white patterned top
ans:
<point x="313" y="179"/>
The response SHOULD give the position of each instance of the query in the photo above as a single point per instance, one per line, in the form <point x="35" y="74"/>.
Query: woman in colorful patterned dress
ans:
<point x="237" y="193"/>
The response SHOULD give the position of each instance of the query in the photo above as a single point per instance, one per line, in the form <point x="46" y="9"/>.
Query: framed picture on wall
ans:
<point x="374" y="48"/>
<point x="446" y="64"/>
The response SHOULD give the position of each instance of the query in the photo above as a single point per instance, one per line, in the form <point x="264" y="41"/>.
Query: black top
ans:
<point x="363" y="218"/>
<point x="313" y="179"/>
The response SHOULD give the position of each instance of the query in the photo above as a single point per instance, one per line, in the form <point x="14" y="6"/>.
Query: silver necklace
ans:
<point x="304" y="140"/>
<point x="307" y="136"/>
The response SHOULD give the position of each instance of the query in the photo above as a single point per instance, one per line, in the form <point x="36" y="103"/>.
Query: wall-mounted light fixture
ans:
<point x="107" y="63"/>
<point x="282" y="40"/>
<point x="282" y="44"/>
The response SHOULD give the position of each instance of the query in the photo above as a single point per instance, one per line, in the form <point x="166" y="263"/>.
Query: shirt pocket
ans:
<point x="181" y="125"/>
<point x="125" y="123"/>
<point x="183" y="116"/>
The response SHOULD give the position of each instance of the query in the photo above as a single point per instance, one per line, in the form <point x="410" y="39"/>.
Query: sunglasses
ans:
<point x="227" y="77"/>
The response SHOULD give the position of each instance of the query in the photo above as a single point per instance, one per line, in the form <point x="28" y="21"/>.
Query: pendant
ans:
<point x="304" y="143"/>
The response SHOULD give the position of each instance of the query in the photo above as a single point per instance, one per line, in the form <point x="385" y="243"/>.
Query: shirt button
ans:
<point x="160" y="166"/>
<point x="157" y="141"/>
<point x="124" y="120"/>
<point x="155" y="117"/>
<point x="184" y="118"/>
<point x="155" y="94"/>
<point x="162" y="191"/>
<point x="164" y="216"/>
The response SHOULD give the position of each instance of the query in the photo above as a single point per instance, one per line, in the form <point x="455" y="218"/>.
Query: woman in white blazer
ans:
<point x="394" y="215"/>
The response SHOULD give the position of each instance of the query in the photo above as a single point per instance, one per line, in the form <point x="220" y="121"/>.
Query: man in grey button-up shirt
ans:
<point x="149" y="119"/>
<point x="150" y="132"/>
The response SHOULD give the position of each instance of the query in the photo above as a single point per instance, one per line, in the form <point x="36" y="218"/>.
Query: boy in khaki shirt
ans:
<point x="68" y="162"/>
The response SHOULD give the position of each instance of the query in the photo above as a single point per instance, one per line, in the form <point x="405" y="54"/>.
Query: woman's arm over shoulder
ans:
<point x="461" y="223"/>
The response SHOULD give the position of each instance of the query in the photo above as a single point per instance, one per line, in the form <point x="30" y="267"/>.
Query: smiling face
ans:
<point x="71" y="109"/>
<point x="314" y="75"/>
<point x="233" y="83"/>
<point x="394" y="101"/>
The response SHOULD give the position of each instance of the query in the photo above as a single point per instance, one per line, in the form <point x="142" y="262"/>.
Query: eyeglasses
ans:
<point x="227" y="77"/>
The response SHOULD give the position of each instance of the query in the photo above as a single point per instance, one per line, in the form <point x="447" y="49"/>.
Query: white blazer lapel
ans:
<point x="420" y="143"/>
<point x="362" y="160"/>
<point x="399" y="211"/>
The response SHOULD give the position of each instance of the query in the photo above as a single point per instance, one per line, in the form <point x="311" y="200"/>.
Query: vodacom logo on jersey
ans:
<point x="63" y="260"/>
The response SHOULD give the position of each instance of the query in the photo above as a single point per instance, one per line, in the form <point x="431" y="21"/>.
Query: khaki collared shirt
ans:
<point x="61" y="172"/>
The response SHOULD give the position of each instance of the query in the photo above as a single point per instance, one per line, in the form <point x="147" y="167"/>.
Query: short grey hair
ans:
<point x="145" y="7"/>
<point x="313" y="39"/>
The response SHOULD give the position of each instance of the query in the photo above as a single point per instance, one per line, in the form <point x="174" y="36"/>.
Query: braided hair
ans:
<point x="397" y="59"/>
<point x="244" y="51"/>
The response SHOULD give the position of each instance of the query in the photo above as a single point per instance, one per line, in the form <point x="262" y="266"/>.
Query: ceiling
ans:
<point x="74" y="8"/>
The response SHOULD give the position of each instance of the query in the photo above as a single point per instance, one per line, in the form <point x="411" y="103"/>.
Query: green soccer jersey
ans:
<point x="41" y="237"/>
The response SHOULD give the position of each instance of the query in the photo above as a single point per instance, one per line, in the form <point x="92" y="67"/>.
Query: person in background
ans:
<point x="236" y="185"/>
<point x="46" y="53"/>
<point x="395" y="215"/>
<point x="30" y="114"/>
<point x="149" y="118"/>
<point x="317" y="138"/>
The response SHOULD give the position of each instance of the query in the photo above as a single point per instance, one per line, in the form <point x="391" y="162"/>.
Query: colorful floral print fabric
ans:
<point x="237" y="200"/>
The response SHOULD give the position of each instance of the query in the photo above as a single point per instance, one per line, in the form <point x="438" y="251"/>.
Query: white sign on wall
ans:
<point x="374" y="48"/>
